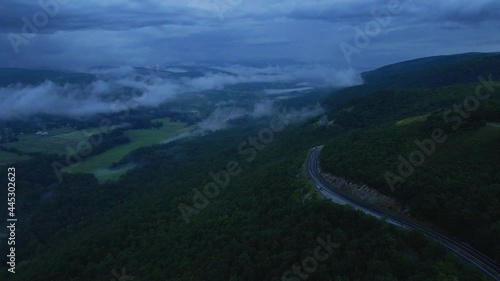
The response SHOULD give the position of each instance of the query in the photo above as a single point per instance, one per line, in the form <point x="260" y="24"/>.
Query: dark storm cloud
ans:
<point x="460" y="11"/>
<point x="348" y="12"/>
<point x="129" y="32"/>
<point x="110" y="17"/>
<point x="466" y="12"/>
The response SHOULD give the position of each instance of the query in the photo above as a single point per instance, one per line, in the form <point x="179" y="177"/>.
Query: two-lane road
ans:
<point x="470" y="254"/>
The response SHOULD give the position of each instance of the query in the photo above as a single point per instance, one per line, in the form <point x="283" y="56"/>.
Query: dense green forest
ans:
<point x="455" y="185"/>
<point x="268" y="220"/>
<point x="426" y="73"/>
<point x="256" y="229"/>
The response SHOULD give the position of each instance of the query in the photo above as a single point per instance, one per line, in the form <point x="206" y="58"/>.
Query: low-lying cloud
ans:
<point x="125" y="86"/>
<point x="49" y="98"/>
<point x="221" y="117"/>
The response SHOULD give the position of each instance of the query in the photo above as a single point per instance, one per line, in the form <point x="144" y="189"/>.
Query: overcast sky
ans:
<point x="80" y="34"/>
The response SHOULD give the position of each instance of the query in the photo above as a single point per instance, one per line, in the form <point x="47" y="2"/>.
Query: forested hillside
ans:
<point x="266" y="221"/>
<point x="436" y="149"/>
<point x="426" y="73"/>
<point x="256" y="229"/>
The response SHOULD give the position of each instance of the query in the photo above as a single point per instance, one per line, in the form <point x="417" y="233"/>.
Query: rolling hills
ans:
<point x="389" y="143"/>
<point x="266" y="219"/>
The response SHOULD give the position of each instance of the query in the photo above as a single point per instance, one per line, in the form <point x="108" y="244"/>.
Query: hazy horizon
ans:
<point x="343" y="34"/>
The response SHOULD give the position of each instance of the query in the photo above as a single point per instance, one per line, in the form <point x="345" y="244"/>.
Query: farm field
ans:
<point x="412" y="120"/>
<point x="60" y="140"/>
<point x="56" y="142"/>
<point x="99" y="164"/>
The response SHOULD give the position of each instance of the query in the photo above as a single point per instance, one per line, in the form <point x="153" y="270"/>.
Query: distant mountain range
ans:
<point x="10" y="76"/>
<point x="423" y="73"/>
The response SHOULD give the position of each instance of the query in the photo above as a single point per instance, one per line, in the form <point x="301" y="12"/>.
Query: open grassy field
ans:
<point x="59" y="140"/>
<point x="9" y="158"/>
<point x="99" y="164"/>
<point x="56" y="142"/>
<point x="414" y="119"/>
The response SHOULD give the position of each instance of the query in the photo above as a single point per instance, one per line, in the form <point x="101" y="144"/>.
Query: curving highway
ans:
<point x="463" y="250"/>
